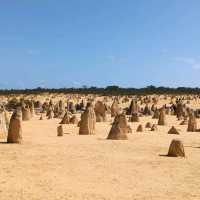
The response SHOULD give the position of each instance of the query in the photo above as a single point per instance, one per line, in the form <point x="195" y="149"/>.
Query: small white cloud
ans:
<point x="196" y="66"/>
<point x="76" y="83"/>
<point x="191" y="62"/>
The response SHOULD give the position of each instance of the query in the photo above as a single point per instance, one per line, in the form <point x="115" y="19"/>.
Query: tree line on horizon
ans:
<point x="109" y="90"/>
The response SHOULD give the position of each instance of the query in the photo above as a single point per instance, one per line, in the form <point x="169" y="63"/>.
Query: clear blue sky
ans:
<point x="131" y="43"/>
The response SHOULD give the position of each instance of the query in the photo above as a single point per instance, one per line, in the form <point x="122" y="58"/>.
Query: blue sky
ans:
<point x="70" y="43"/>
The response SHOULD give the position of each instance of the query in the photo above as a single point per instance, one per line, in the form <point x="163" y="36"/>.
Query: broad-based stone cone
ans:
<point x="192" y="123"/>
<point x="15" y="128"/>
<point x="87" y="123"/>
<point x="26" y="113"/>
<point x="73" y="120"/>
<point x="139" y="128"/>
<point x="162" y="118"/>
<point x="173" y="130"/>
<point x="147" y="110"/>
<point x="148" y="125"/>
<point x="66" y="119"/>
<point x="119" y="128"/>
<point x="115" y="110"/>
<point x="176" y="149"/>
<point x="133" y="108"/>
<point x="100" y="111"/>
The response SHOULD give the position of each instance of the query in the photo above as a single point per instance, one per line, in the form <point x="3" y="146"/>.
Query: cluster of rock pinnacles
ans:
<point x="97" y="112"/>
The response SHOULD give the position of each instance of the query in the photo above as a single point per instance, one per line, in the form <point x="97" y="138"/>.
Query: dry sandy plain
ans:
<point x="47" y="167"/>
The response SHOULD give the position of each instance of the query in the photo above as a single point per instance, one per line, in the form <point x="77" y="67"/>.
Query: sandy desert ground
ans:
<point x="47" y="167"/>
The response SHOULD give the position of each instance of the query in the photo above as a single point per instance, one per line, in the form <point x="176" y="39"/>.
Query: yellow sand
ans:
<point x="47" y="167"/>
